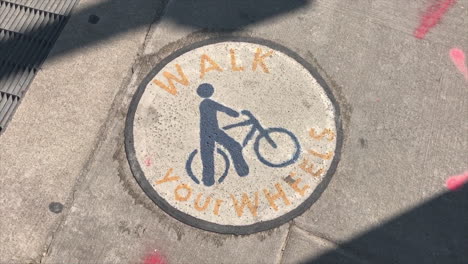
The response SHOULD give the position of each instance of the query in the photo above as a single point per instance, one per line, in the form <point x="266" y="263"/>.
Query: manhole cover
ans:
<point x="233" y="135"/>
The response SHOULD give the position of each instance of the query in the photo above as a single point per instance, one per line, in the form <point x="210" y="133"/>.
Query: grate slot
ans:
<point x="28" y="30"/>
<point x="17" y="15"/>
<point x="8" y="104"/>
<point x="44" y="5"/>
<point x="22" y="50"/>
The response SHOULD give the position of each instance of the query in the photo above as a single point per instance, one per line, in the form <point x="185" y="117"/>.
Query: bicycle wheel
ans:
<point x="188" y="165"/>
<point x="287" y="138"/>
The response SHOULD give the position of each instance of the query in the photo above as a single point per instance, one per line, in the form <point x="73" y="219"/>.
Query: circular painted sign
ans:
<point x="233" y="135"/>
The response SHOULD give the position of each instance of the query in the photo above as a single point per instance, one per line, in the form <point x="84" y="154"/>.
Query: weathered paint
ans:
<point x="235" y="145"/>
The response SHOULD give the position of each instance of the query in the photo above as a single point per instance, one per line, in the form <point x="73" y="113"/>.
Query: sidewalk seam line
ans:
<point x="317" y="237"/>
<point x="336" y="246"/>
<point x="285" y="243"/>
<point x="154" y="22"/>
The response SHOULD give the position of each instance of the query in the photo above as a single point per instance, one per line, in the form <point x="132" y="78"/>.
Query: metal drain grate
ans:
<point x="28" y="30"/>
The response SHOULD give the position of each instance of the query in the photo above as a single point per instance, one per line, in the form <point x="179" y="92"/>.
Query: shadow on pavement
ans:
<point x="213" y="15"/>
<point x="434" y="232"/>
<point x="229" y="14"/>
<point x="22" y="53"/>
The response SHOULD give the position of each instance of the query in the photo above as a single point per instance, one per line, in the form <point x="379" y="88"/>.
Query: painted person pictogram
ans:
<point x="211" y="133"/>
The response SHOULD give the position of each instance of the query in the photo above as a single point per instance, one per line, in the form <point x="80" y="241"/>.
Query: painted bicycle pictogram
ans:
<point x="210" y="134"/>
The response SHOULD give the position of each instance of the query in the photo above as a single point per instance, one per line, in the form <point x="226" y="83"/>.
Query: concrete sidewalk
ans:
<point x="403" y="106"/>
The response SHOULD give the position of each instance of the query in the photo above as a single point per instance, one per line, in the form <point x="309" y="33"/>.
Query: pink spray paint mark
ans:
<point x="148" y="161"/>
<point x="432" y="16"/>
<point x="155" y="258"/>
<point x="458" y="58"/>
<point x="456" y="182"/>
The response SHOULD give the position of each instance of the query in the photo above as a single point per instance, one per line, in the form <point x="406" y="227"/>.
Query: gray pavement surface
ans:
<point x="404" y="109"/>
<point x="28" y="31"/>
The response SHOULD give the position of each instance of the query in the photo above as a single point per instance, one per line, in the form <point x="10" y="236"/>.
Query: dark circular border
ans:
<point x="202" y="224"/>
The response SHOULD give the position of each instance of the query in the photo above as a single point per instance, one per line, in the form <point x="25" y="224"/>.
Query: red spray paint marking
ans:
<point x="155" y="258"/>
<point x="148" y="161"/>
<point x="432" y="16"/>
<point x="458" y="58"/>
<point x="456" y="182"/>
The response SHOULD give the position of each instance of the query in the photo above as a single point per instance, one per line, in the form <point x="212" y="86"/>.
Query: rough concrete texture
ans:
<point x="404" y="107"/>
<point x="56" y="128"/>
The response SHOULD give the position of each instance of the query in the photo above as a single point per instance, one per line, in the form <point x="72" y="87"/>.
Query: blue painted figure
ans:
<point x="211" y="133"/>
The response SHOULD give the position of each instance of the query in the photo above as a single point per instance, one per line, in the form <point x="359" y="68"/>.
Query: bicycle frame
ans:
<point x="256" y="126"/>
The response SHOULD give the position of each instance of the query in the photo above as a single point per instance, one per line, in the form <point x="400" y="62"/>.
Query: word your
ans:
<point x="207" y="64"/>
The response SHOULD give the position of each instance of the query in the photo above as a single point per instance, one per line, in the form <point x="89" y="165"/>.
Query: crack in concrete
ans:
<point x="285" y="242"/>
